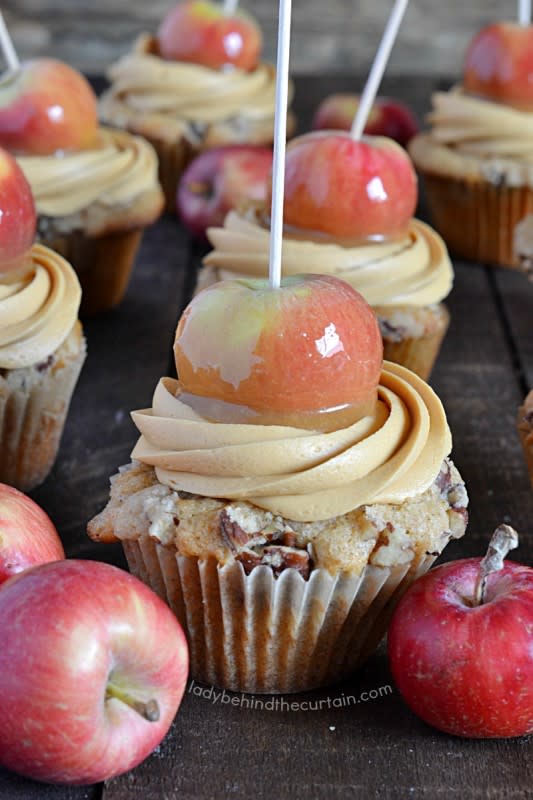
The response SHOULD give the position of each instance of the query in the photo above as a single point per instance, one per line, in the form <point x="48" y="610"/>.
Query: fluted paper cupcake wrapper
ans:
<point x="174" y="158"/>
<point x="419" y="353"/>
<point x="32" y="418"/>
<point x="477" y="219"/>
<point x="260" y="634"/>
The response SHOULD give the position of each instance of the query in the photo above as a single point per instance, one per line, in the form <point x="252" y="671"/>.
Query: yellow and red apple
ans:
<point x="46" y="107"/>
<point x="17" y="215"/>
<point x="199" y="31"/>
<point x="388" y="117"/>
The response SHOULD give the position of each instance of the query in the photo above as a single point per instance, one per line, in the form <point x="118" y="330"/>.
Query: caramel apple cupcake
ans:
<point x="399" y="264"/>
<point x="198" y="84"/>
<point x="42" y="348"/>
<point x="288" y="489"/>
<point x="525" y="431"/>
<point x="95" y="189"/>
<point x="476" y="158"/>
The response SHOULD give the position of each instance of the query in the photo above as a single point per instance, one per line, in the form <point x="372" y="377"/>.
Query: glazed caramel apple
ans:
<point x="46" y="107"/>
<point x="308" y="354"/>
<point x="200" y="32"/>
<point x="17" y="217"/>
<point x="387" y="117"/>
<point x="348" y="189"/>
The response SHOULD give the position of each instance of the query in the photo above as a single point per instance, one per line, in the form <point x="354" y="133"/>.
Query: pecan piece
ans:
<point x="280" y="558"/>
<point x="444" y="479"/>
<point x="248" y="559"/>
<point x="232" y="533"/>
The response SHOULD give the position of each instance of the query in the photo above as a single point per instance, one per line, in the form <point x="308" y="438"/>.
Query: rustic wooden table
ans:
<point x="375" y="747"/>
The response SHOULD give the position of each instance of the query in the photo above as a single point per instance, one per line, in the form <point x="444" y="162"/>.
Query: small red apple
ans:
<point x="388" y="117"/>
<point x="27" y="535"/>
<point x="219" y="180"/>
<point x="301" y="354"/>
<point x="200" y="32"/>
<point x="355" y="190"/>
<point x="93" y="667"/>
<point x="461" y="645"/>
<point x="17" y="215"/>
<point x="46" y="107"/>
<point x="499" y="64"/>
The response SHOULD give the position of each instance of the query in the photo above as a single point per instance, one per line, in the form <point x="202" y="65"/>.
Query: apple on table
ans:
<point x="388" y="117"/>
<point x="17" y="216"/>
<point x="200" y="32"/>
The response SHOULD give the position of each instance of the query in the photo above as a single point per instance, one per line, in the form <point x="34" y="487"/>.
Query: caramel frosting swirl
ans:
<point x="413" y="271"/>
<point x="479" y="136"/>
<point x="165" y="96"/>
<point x="302" y="475"/>
<point x="111" y="175"/>
<point x="37" y="310"/>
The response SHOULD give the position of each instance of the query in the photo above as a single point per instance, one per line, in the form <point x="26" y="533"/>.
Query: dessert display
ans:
<point x="460" y="644"/>
<point x="42" y="348"/>
<point x="199" y="83"/>
<point x="286" y="489"/>
<point x="476" y="159"/>
<point x="219" y="180"/>
<point x="95" y="189"/>
<point x="388" y="117"/>
<point x="525" y="431"/>
<point x="349" y="212"/>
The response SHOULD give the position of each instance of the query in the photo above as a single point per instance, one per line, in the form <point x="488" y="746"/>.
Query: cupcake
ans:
<point x="95" y="189"/>
<point x="285" y="493"/>
<point x="198" y="84"/>
<point x="399" y="264"/>
<point x="525" y="431"/>
<point x="476" y="159"/>
<point x="42" y="348"/>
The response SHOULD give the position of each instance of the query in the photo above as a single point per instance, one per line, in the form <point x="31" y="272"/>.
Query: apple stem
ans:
<point x="6" y="43"/>
<point x="230" y="7"/>
<point x="378" y="68"/>
<point x="524" y="13"/>
<point x="149" y="710"/>
<point x="280" y="143"/>
<point x="503" y="539"/>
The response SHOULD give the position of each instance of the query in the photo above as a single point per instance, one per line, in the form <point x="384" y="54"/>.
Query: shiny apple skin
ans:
<point x="313" y="344"/>
<point x="27" y="534"/>
<point x="467" y="670"/>
<point x="219" y="180"/>
<point x="388" y="117"/>
<point x="198" y="31"/>
<point x="46" y="107"/>
<point x="18" y="219"/>
<point x="499" y="64"/>
<point x="355" y="190"/>
<point x="71" y="625"/>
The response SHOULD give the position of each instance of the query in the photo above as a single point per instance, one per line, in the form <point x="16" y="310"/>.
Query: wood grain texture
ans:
<point x="343" y="749"/>
<point x="340" y="36"/>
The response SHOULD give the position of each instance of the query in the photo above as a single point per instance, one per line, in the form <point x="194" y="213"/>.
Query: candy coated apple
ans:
<point x="27" y="535"/>
<point x="499" y="64"/>
<point x="292" y="355"/>
<point x="198" y="31"/>
<point x="46" y="107"/>
<point x="388" y="117"/>
<point x="92" y="670"/>
<point x="463" y="666"/>
<point x="17" y="215"/>
<point x="219" y="180"/>
<point x="355" y="190"/>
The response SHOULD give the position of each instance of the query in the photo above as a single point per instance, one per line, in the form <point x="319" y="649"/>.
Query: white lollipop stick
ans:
<point x="378" y="68"/>
<point x="230" y="7"/>
<point x="524" y="12"/>
<point x="280" y="143"/>
<point x="10" y="54"/>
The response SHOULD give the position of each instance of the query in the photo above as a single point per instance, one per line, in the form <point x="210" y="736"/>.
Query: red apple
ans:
<point x="308" y="353"/>
<point x="219" y="180"/>
<point x="200" y="32"/>
<point x="463" y="660"/>
<point x="499" y="64"/>
<point x="46" y="107"/>
<point x="17" y="215"/>
<point x="27" y="535"/>
<point x="355" y="190"/>
<point x="388" y="117"/>
<point x="93" y="667"/>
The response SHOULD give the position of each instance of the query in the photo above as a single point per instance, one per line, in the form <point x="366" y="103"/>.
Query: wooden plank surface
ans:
<point x="370" y="745"/>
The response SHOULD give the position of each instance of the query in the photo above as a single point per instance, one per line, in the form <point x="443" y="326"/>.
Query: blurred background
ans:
<point x="329" y="36"/>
